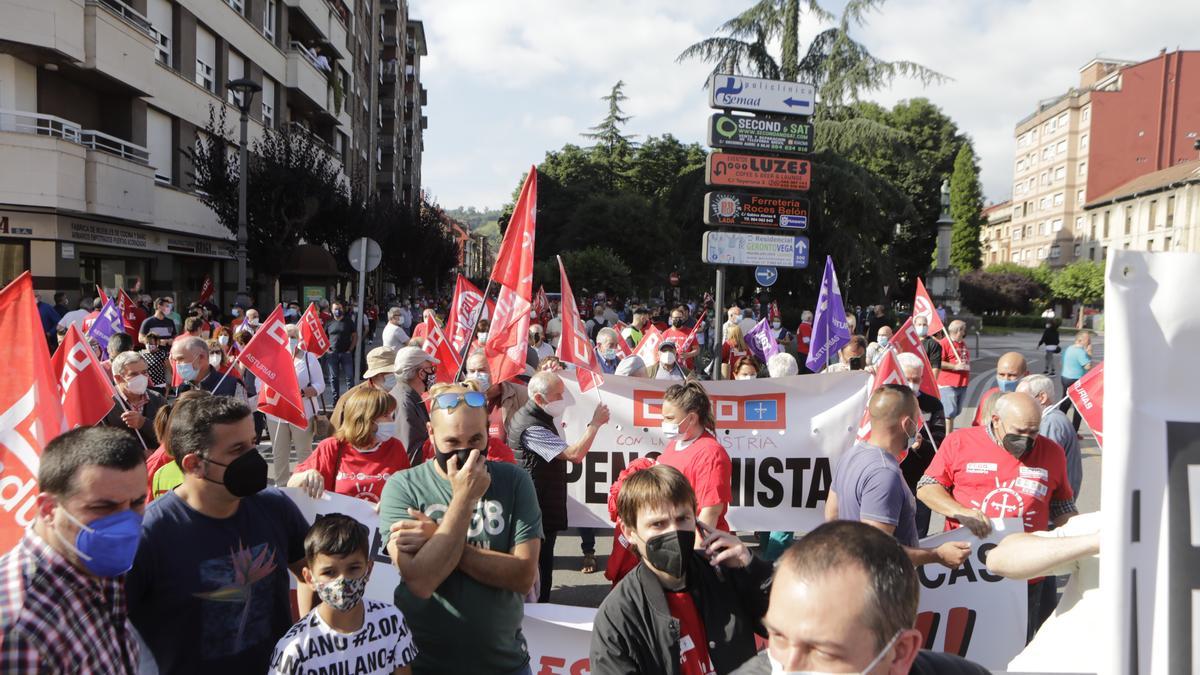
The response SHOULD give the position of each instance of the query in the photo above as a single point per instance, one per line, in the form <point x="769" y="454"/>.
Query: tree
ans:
<point x="608" y="134"/>
<point x="985" y="291"/>
<point x="1082" y="281"/>
<point x="966" y="208"/>
<point x="590" y="270"/>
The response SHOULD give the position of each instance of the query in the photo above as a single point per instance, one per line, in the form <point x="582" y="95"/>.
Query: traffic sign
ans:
<point x="373" y="254"/>
<point x="743" y="209"/>
<point x="769" y="133"/>
<point x="766" y="276"/>
<point x="738" y="92"/>
<point x="743" y="248"/>
<point x="776" y="173"/>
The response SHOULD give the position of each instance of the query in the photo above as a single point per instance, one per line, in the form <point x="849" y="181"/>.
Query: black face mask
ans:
<point x="857" y="362"/>
<point x="244" y="476"/>
<point x="669" y="551"/>
<point x="443" y="458"/>
<point x="676" y="322"/>
<point x="1017" y="445"/>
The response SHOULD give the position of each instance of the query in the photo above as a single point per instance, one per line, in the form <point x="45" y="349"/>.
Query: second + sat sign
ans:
<point x="738" y="92"/>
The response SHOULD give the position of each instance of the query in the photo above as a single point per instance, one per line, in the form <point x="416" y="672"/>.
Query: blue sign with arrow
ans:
<point x="766" y="276"/>
<point x="755" y="94"/>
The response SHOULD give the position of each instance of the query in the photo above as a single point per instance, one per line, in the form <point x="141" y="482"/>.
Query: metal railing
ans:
<point x="129" y="14"/>
<point x="21" y="122"/>
<point x="98" y="140"/>
<point x="309" y="55"/>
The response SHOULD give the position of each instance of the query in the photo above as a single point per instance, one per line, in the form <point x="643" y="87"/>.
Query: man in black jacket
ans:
<point x="690" y="606"/>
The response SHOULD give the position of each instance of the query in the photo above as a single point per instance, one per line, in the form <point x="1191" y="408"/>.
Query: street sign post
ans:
<point x="760" y="171"/>
<point x="738" y="92"/>
<point x="768" y="133"/>
<point x="743" y="248"/>
<point x="743" y="209"/>
<point x="365" y="255"/>
<point x="766" y="276"/>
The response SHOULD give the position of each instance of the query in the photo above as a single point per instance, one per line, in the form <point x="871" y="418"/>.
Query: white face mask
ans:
<point x="137" y="384"/>
<point x="224" y="340"/>
<point x="384" y="431"/>
<point x="745" y="377"/>
<point x="556" y="408"/>
<point x="670" y="429"/>
<point x="215" y="360"/>
<point x="389" y="382"/>
<point x="778" y="669"/>
<point x="484" y="380"/>
<point x="667" y="358"/>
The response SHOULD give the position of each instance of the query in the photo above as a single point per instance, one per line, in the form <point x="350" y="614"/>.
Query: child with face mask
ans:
<point x="338" y="567"/>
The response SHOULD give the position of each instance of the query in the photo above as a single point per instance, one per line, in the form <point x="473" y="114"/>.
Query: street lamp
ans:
<point x="245" y="88"/>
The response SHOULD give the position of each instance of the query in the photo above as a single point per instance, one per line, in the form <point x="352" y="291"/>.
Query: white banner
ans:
<point x="781" y="434"/>
<point x="1150" y="487"/>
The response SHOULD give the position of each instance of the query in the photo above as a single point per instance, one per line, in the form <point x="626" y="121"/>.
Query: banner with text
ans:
<point x="781" y="434"/>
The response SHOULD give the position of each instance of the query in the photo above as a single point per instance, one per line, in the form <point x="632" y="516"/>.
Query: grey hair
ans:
<point x="782" y="364"/>
<point x="1035" y="385"/>
<point x="806" y="316"/>
<point x="395" y="313"/>
<point x="192" y="344"/>
<point x="607" y="332"/>
<point x="542" y="382"/>
<point x="122" y="361"/>
<point x="631" y="366"/>
<point x="910" y="360"/>
<point x="291" y="329"/>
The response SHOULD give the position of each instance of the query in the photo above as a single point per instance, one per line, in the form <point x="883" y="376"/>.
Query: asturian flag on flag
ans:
<point x="106" y="324"/>
<point x="508" y="335"/>
<point x="830" y="331"/>
<point x="574" y="347"/>
<point x="86" y="393"/>
<point x="1087" y="393"/>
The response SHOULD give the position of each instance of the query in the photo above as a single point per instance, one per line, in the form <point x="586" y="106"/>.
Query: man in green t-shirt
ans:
<point x="465" y="534"/>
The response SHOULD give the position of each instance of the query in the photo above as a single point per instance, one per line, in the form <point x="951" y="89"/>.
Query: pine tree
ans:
<point x="608" y="134"/>
<point x="966" y="208"/>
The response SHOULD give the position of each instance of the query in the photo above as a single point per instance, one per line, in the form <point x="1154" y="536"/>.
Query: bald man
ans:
<point x="1004" y="469"/>
<point x="868" y="484"/>
<point x="1009" y="370"/>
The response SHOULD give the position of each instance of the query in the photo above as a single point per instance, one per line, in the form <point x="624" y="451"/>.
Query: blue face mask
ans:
<point x="106" y="546"/>
<point x="883" y="340"/>
<point x="187" y="372"/>
<point x="1007" y="386"/>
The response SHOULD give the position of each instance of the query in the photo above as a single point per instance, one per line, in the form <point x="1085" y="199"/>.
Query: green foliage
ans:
<point x="1081" y="281"/>
<point x="590" y="270"/>
<point x="985" y="291"/>
<point x="608" y="134"/>
<point x="1043" y="274"/>
<point x="966" y="208"/>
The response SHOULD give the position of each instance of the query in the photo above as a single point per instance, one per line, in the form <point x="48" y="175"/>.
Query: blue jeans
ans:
<point x="341" y="364"/>
<point x="952" y="400"/>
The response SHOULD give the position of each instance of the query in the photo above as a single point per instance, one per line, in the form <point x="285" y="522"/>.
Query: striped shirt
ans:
<point x="55" y="618"/>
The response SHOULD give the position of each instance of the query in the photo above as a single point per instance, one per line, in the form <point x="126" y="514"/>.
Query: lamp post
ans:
<point x="245" y="88"/>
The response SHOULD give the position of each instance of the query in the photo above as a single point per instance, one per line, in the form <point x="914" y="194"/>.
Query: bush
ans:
<point x="985" y="291"/>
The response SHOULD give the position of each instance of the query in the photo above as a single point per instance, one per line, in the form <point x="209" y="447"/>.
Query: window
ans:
<point x="1079" y="225"/>
<point x="1083" y="141"/>
<point x="1093" y="226"/>
<point x="161" y="15"/>
<point x="269" y="13"/>
<point x="1081" y="170"/>
<point x="1016" y="257"/>
<point x="1086" y="113"/>
<point x="1043" y="203"/>
<point x="1167" y="244"/>
<point x="237" y="70"/>
<point x="1041" y="253"/>
<point x="1047" y="153"/>
<point x="1079" y="197"/>
<point x="1055" y="251"/>
<point x="1104" y="253"/>
<point x="1061" y="148"/>
<point x="206" y="59"/>
<point x="238" y="6"/>
<point x="1171" y="211"/>
<point x="1060" y="174"/>
<point x="1106" y="218"/>
<point x="1078" y="250"/>
<point x="1042" y="228"/>
<point x="1062" y="121"/>
<point x="158" y="142"/>
<point x="1058" y="199"/>
<point x="268" y="102"/>
<point x="1150" y="245"/>
<point x="1016" y="234"/>
<point x="1128" y="218"/>
<point x="1056" y="225"/>
<point x="1029" y="230"/>
<point x="1027" y="254"/>
<point x="1021" y="165"/>
<point x="1153" y="214"/>
<point x="1045" y="178"/>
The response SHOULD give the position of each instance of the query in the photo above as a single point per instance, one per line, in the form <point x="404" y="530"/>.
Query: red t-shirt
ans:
<point x="803" y="337"/>
<point x="982" y="475"/>
<point x="157" y="460"/>
<point x="361" y="474"/>
<point x="498" y="450"/>
<point x="730" y="353"/>
<point x="707" y="467"/>
<point x="677" y="337"/>
<point x="979" y="409"/>
<point x="954" y="378"/>
<point x="693" y="640"/>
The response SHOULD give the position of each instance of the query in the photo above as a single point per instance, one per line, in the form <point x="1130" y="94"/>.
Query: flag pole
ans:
<point x="125" y="406"/>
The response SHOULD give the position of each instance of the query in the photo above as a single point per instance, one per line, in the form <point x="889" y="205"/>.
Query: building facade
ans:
<point x="100" y="98"/>
<point x="995" y="235"/>
<point x="1156" y="212"/>
<point x="1125" y="120"/>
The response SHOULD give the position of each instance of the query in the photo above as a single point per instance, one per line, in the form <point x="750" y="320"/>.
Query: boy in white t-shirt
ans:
<point x="345" y="633"/>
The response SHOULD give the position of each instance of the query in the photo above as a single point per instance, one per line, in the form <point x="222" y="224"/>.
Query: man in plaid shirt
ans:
<point x="62" y="588"/>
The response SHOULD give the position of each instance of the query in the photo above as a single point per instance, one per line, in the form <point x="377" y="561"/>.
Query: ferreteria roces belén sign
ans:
<point x="775" y="173"/>
<point x="748" y="210"/>
<point x="770" y="133"/>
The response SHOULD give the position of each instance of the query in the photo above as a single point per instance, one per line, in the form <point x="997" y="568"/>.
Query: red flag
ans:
<point x="312" y="332"/>
<point x="574" y="346"/>
<point x="103" y="295"/>
<point x="773" y="312"/>
<point x="508" y="335"/>
<point x="541" y="307"/>
<point x="1087" y="393"/>
<point x="690" y="342"/>
<point x="923" y="306"/>
<point x="463" y="309"/>
<point x="206" y="289"/>
<point x="907" y="340"/>
<point x="30" y="409"/>
<point x="438" y="346"/>
<point x="648" y="347"/>
<point x="623" y="348"/>
<point x="86" y="392"/>
<point x="268" y="357"/>
<point x="887" y="371"/>
<point x="131" y="313"/>
<point x="271" y="403"/>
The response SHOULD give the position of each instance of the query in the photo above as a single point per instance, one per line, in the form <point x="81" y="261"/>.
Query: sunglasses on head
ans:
<point x="450" y="401"/>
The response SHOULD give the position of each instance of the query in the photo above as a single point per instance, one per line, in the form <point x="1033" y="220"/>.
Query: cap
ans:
<point x="410" y="357"/>
<point x="379" y="361"/>
<point x="666" y="346"/>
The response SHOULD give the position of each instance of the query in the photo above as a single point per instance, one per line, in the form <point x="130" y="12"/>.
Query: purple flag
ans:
<point x="830" y="330"/>
<point x="761" y="341"/>
<point x="107" y="323"/>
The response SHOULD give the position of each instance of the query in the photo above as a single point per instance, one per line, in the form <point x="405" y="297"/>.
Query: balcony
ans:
<point x="119" y="42"/>
<point x="305" y="75"/>
<point x="388" y="71"/>
<point x="52" y="24"/>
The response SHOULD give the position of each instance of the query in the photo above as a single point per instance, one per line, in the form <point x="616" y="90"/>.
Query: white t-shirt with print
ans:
<point x="383" y="644"/>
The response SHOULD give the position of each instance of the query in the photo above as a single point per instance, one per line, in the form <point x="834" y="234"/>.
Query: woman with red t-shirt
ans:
<point x="687" y="419"/>
<point x="360" y="456"/>
<point x="734" y="348"/>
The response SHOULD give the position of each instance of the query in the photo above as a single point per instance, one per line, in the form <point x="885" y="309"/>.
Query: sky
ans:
<point x="510" y="80"/>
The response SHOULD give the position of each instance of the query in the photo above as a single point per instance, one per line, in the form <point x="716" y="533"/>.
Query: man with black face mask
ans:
<point x="1004" y="469"/>
<point x="683" y="609"/>
<point x="465" y="534"/>
<point x="209" y="586"/>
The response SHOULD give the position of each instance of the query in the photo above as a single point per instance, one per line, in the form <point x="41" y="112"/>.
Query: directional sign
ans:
<point x="738" y="92"/>
<point x="766" y="276"/>
<point x="727" y="168"/>
<point x="770" y="133"/>
<point x="743" y="248"/>
<point x="746" y="210"/>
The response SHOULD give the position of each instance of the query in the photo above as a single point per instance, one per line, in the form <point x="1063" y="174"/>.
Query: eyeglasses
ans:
<point x="450" y="401"/>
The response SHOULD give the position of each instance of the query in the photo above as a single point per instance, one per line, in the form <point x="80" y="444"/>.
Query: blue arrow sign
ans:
<point x="795" y="103"/>
<point x="766" y="276"/>
<point x="801" y="252"/>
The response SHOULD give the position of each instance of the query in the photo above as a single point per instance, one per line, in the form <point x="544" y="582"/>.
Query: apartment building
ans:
<point x="98" y="99"/>
<point x="1125" y="120"/>
<point x="401" y="120"/>
<point x="1156" y="212"/>
<point x="995" y="235"/>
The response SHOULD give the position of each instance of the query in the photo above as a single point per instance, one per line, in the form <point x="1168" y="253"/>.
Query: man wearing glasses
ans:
<point x="465" y="534"/>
